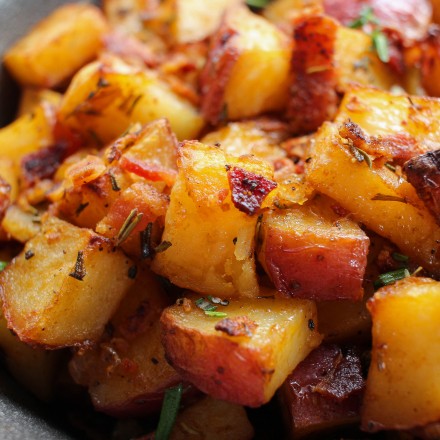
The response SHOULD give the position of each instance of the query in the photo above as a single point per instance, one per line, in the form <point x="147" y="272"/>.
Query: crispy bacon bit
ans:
<point x="148" y="170"/>
<point x="313" y="93"/>
<point x="248" y="189"/>
<point x="42" y="164"/>
<point x="137" y="323"/>
<point x="238" y="326"/>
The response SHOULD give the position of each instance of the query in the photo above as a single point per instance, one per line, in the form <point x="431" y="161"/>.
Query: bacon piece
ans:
<point x="248" y="189"/>
<point x="313" y="93"/>
<point x="324" y="391"/>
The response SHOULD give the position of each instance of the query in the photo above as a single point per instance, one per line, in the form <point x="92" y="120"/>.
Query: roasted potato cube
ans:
<point x="412" y="120"/>
<point x="210" y="233"/>
<point x="56" y="293"/>
<point x="19" y="224"/>
<point x="377" y="197"/>
<point x="28" y="133"/>
<point x="226" y="421"/>
<point x="244" y="357"/>
<point x="126" y="372"/>
<point x="423" y="172"/>
<point x="32" y="97"/>
<point x="311" y="252"/>
<point x="324" y="392"/>
<point x="194" y="20"/>
<point x="403" y="383"/>
<point x="231" y="86"/>
<point x="112" y="90"/>
<point x="58" y="46"/>
<point x="34" y="368"/>
<point x="250" y="137"/>
<point x="282" y="12"/>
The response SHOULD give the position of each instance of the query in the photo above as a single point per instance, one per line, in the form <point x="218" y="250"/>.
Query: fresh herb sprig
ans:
<point x="391" y="277"/>
<point x="209" y="307"/>
<point x="168" y="414"/>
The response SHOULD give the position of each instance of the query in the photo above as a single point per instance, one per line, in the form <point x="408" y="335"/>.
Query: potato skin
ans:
<point x="239" y="369"/>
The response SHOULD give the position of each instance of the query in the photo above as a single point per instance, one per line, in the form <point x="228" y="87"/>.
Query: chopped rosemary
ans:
<point x="366" y="16"/>
<point x="132" y="272"/>
<point x="214" y="314"/>
<point x="400" y="257"/>
<point x="146" y="250"/>
<point x="389" y="198"/>
<point x="168" y="414"/>
<point x="162" y="247"/>
<point x="115" y="186"/>
<point x="127" y="228"/>
<point x="205" y="305"/>
<point x="361" y="155"/>
<point x="133" y="104"/>
<point x="81" y="208"/>
<point x="80" y="271"/>
<point x="257" y="3"/>
<point x="3" y="264"/>
<point x="390" y="167"/>
<point x="380" y="43"/>
<point x="391" y="277"/>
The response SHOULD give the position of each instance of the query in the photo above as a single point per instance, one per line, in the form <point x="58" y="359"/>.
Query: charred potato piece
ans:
<point x="423" y="172"/>
<point x="126" y="372"/>
<point x="324" y="392"/>
<point x="377" y="197"/>
<point x="56" y="292"/>
<point x="231" y="86"/>
<point x="403" y="383"/>
<point x="244" y="357"/>
<point x="58" y="46"/>
<point x="310" y="252"/>
<point x="19" y="224"/>
<point x="208" y="228"/>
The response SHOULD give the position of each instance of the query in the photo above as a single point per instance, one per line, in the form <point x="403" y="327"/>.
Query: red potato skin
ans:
<point x="313" y="92"/>
<point x="409" y="19"/>
<point x="316" y="267"/>
<point x="204" y="358"/>
<point x="325" y="390"/>
<point x="223" y="54"/>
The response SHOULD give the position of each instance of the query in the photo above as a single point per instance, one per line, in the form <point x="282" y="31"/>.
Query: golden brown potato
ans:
<point x="231" y="87"/>
<point x="19" y="224"/>
<point x="58" y="46"/>
<point x="34" y="368"/>
<point x="194" y="20"/>
<point x="283" y="12"/>
<point x="57" y="293"/>
<point x="126" y="372"/>
<point x="244" y="357"/>
<point x="311" y="252"/>
<point x="31" y="97"/>
<point x="210" y="223"/>
<point x="403" y="384"/>
<point x="226" y="421"/>
<point x="377" y="197"/>
<point x="112" y="90"/>
<point x="28" y="133"/>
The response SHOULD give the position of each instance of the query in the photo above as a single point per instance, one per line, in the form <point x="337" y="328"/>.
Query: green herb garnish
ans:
<point x="214" y="314"/>
<point x="361" y="155"/>
<point x="391" y="277"/>
<point x="366" y="16"/>
<point x="3" y="264"/>
<point x="400" y="257"/>
<point x="257" y="3"/>
<point x="130" y="223"/>
<point x="80" y="270"/>
<point x="380" y="44"/>
<point x="168" y="414"/>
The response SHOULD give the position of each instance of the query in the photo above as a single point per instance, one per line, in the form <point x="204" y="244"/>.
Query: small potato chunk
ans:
<point x="246" y="356"/>
<point x="412" y="120"/>
<point x="324" y="391"/>
<point x="403" y="384"/>
<point x="232" y="88"/>
<point x="211" y="235"/>
<point x="226" y="421"/>
<point x="194" y="20"/>
<point x="126" y="372"/>
<point x="58" y="46"/>
<point x="28" y="133"/>
<point x="32" y="97"/>
<point x="310" y="252"/>
<point x="35" y="368"/>
<point x="57" y="292"/>
<point x="19" y="224"/>
<point x="114" y="91"/>
<point x="423" y="172"/>
<point x="377" y="197"/>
